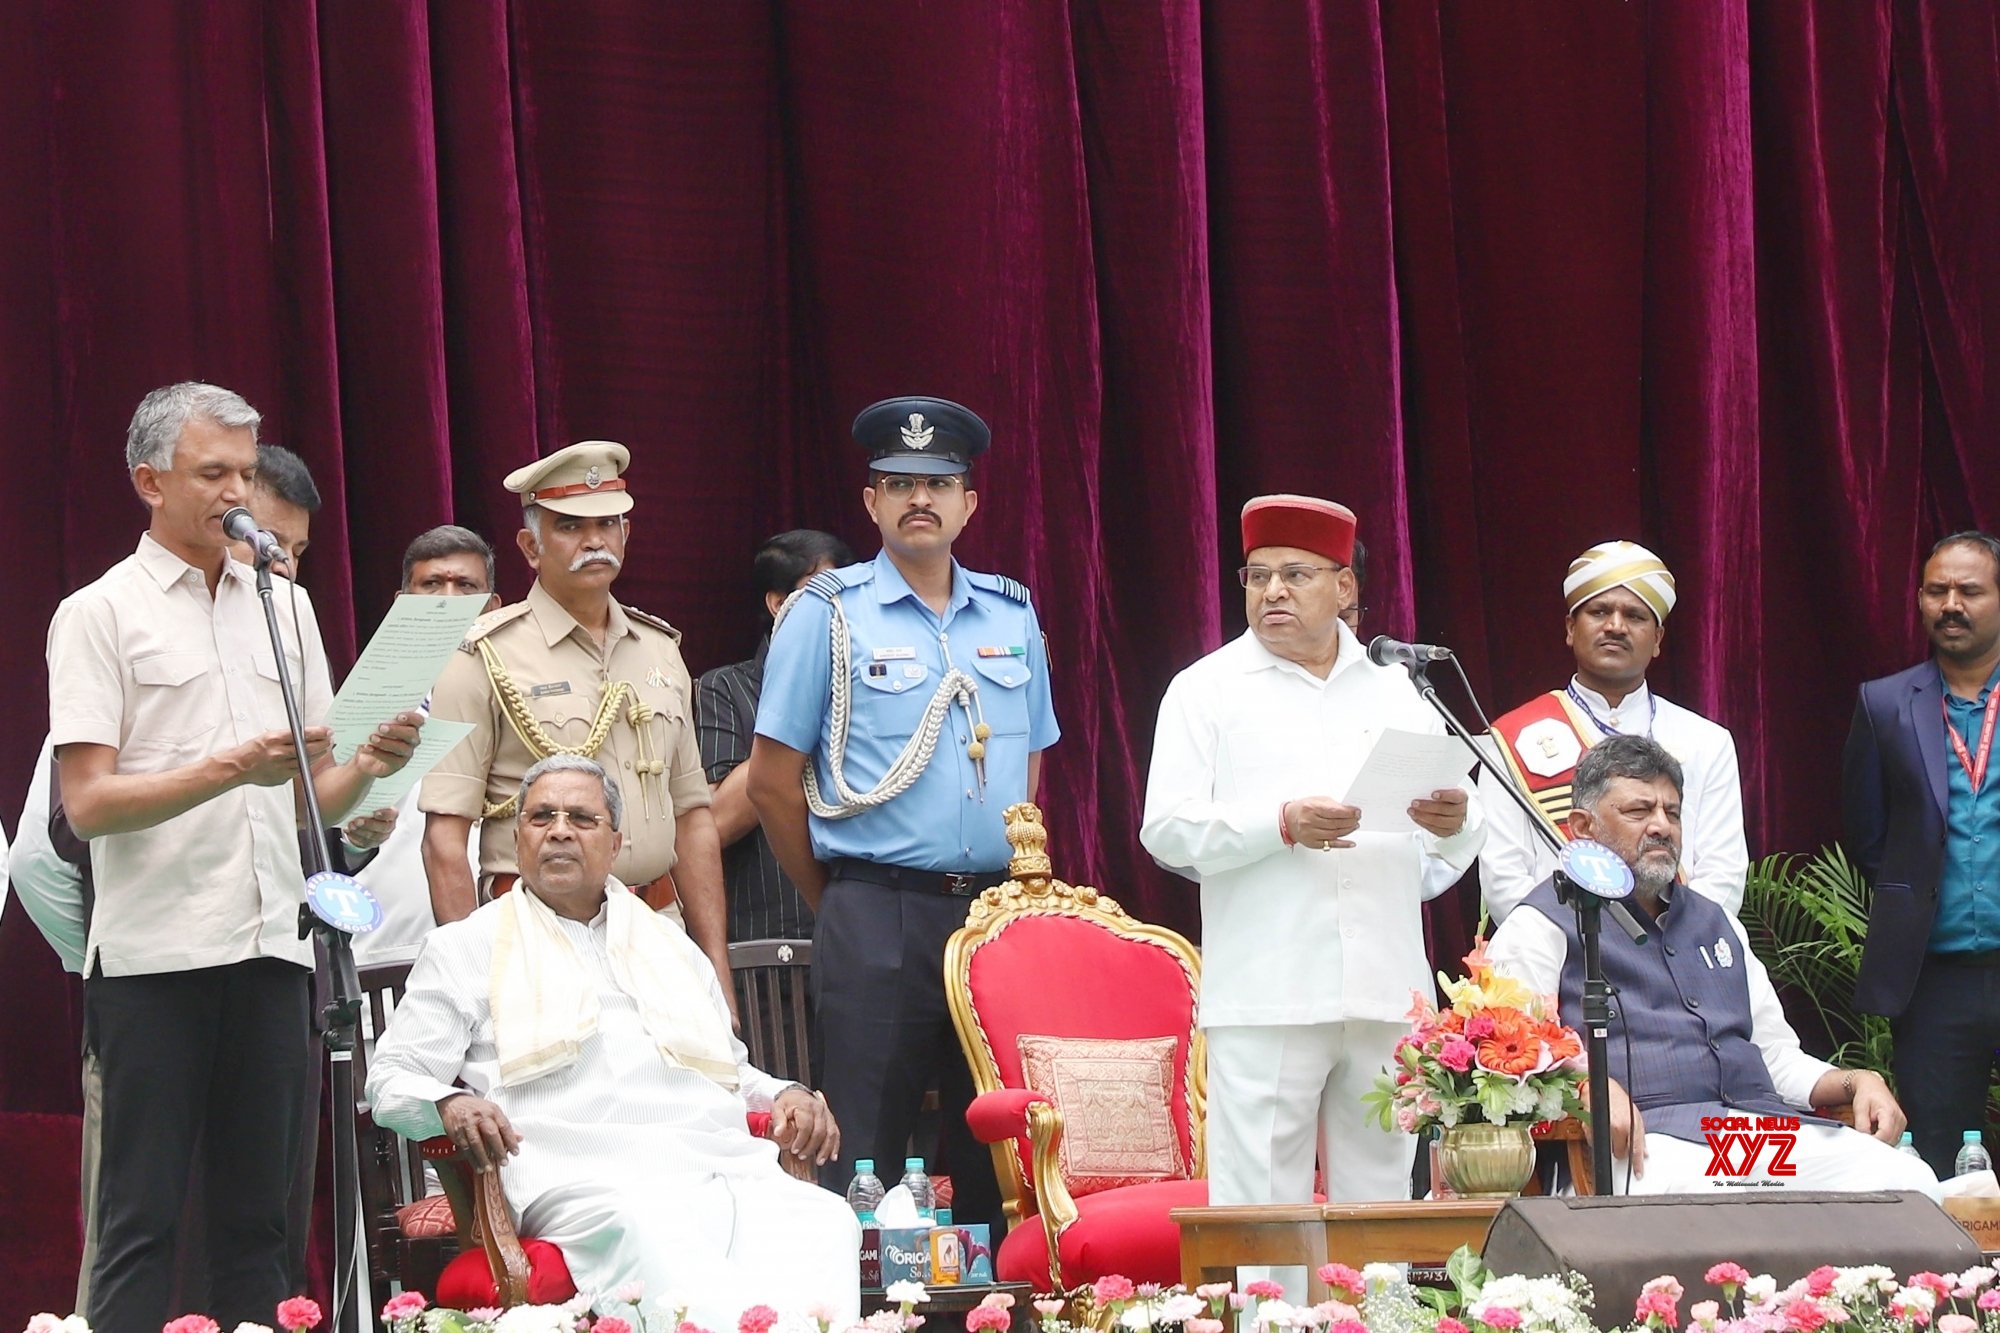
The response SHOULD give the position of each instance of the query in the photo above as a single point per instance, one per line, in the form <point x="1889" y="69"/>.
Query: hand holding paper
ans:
<point x="1405" y="770"/>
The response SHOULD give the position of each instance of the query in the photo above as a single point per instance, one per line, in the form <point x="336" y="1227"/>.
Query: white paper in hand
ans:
<point x="1404" y="766"/>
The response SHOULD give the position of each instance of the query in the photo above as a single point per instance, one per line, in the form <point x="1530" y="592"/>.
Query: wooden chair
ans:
<point x="408" y="1238"/>
<point x="770" y="977"/>
<point x="1043" y="959"/>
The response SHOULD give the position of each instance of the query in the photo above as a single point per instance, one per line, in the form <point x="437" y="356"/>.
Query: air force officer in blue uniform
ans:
<point x="905" y="706"/>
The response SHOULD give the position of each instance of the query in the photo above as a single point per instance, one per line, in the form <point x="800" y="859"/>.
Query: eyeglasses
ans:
<point x="583" y="821"/>
<point x="1295" y="576"/>
<point x="901" y="485"/>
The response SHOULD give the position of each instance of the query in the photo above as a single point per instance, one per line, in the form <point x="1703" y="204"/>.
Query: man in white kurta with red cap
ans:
<point x="1312" y="930"/>
<point x="1618" y="596"/>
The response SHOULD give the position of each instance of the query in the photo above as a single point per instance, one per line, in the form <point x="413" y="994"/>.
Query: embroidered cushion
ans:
<point x="1115" y="1097"/>
<point x="429" y="1218"/>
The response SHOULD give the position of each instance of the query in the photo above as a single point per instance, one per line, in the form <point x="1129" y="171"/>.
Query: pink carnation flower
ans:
<point x="1048" y="1307"/>
<point x="297" y="1313"/>
<point x="1456" y="1054"/>
<point x="406" y="1306"/>
<point x="191" y="1323"/>
<point x="756" y="1319"/>
<point x="1446" y="1324"/>
<point x="1933" y="1281"/>
<point x="1499" y="1316"/>
<point x="1804" y="1315"/>
<point x="1478" y="1028"/>
<point x="1819" y="1282"/>
<point x="1212" y="1291"/>
<point x="1704" y="1312"/>
<point x="1956" y="1323"/>
<point x="1990" y="1299"/>
<point x="1202" y="1326"/>
<point x="1263" y="1289"/>
<point x="610" y="1323"/>
<point x="1728" y="1275"/>
<point x="1112" y="1287"/>
<point x="1667" y="1283"/>
<point x="1656" y="1304"/>
<point x="1342" y="1278"/>
<point x="1347" y="1326"/>
<point x="981" y="1317"/>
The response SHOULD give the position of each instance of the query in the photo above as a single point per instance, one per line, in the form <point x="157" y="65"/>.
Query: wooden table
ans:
<point x="1215" y="1242"/>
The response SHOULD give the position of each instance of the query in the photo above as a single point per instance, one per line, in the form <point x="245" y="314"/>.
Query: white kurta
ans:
<point x="1533" y="949"/>
<point x="1714" y="856"/>
<point x="635" y="1169"/>
<point x="1308" y="956"/>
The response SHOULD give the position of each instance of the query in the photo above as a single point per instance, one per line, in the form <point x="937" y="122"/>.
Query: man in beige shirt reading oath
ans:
<point x="568" y="670"/>
<point x="177" y="764"/>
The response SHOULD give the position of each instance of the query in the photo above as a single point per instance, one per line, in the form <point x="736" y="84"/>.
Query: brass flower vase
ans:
<point x="1482" y="1161"/>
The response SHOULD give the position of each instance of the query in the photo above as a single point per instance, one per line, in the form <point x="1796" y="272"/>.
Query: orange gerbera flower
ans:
<point x="1515" y="1046"/>
<point x="1563" y="1043"/>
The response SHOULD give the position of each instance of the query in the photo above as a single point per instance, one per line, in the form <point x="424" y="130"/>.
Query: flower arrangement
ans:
<point x="1375" y="1299"/>
<point x="1495" y="1054"/>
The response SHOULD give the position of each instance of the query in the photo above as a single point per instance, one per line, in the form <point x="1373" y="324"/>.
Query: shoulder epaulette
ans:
<point x="491" y="621"/>
<point x="828" y="584"/>
<point x="1000" y="583"/>
<point x="647" y="618"/>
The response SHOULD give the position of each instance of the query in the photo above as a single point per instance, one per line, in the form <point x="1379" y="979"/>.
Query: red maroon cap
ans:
<point x="1310" y="524"/>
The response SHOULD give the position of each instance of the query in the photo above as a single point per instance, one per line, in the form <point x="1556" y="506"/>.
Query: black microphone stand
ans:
<point x="342" y="1012"/>
<point x="1589" y="909"/>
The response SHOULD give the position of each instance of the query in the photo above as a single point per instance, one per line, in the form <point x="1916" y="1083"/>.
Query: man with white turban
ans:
<point x="1619" y="595"/>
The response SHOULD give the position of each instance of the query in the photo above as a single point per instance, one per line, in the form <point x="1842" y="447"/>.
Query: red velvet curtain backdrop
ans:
<point x="1508" y="279"/>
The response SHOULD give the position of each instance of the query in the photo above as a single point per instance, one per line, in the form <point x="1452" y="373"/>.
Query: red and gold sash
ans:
<point x="1541" y="742"/>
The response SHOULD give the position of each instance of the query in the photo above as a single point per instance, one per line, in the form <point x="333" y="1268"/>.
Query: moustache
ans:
<point x="595" y="558"/>
<point x="1951" y="618"/>
<point x="917" y="516"/>
<point x="1667" y="845"/>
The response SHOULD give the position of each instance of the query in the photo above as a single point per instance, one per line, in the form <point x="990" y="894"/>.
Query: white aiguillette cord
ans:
<point x="909" y="765"/>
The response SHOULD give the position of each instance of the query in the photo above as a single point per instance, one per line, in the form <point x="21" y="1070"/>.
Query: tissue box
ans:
<point x="903" y="1254"/>
<point x="1980" y="1219"/>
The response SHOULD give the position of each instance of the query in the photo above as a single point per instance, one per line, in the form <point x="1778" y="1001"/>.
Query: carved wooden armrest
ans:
<point x="479" y="1205"/>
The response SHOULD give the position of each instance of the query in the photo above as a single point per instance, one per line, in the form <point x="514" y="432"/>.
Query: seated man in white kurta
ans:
<point x="601" y="1079"/>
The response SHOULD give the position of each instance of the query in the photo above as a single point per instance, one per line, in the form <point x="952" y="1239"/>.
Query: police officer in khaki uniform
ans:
<point x="569" y="670"/>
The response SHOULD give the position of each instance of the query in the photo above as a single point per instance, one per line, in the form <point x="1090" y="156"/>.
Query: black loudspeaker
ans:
<point x="1621" y="1243"/>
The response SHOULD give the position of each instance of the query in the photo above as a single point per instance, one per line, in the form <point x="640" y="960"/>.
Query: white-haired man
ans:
<point x="579" y="1044"/>
<point x="177" y="765"/>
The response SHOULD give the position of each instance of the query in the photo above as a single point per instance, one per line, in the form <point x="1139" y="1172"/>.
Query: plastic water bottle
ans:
<point x="919" y="1186"/>
<point x="1907" y="1146"/>
<point x="864" y="1193"/>
<point x="1972" y="1157"/>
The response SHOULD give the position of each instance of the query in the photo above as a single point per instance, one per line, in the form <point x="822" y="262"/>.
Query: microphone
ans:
<point x="239" y="526"/>
<point x="1385" y="651"/>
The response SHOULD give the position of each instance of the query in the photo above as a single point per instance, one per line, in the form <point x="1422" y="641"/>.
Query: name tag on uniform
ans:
<point x="895" y="654"/>
<point x="553" y="687"/>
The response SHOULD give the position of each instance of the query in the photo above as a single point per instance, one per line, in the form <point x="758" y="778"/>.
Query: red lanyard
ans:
<point x="1975" y="769"/>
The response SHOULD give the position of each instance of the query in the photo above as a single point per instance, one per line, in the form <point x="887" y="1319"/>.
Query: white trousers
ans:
<point x="1828" y="1157"/>
<point x="723" y="1244"/>
<point x="1279" y="1096"/>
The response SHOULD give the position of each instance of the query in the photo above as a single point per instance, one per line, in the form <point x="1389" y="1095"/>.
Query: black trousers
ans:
<point x="884" y="1037"/>
<point x="217" y="1057"/>
<point x="1945" y="1044"/>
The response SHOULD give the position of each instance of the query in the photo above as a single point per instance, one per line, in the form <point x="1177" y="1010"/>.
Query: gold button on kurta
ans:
<point x="562" y="678"/>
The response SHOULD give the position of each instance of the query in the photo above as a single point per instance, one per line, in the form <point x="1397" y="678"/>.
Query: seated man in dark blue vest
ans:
<point x="1707" y="1076"/>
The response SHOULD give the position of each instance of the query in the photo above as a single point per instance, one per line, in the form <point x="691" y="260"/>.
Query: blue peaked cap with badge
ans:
<point x="927" y="436"/>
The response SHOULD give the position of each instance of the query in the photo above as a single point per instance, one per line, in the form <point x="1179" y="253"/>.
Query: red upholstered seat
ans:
<point x="1042" y="959"/>
<point x="467" y="1281"/>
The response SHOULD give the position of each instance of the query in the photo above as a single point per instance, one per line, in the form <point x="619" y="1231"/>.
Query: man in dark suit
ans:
<point x="1923" y="823"/>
